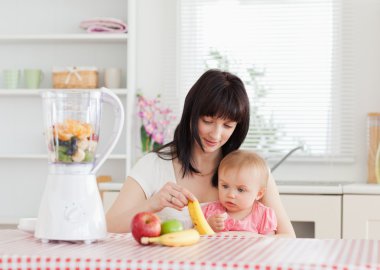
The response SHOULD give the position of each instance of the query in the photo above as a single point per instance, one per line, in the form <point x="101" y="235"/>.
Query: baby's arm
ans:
<point x="268" y="224"/>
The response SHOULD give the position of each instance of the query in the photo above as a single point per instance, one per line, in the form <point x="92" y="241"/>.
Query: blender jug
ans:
<point x="71" y="207"/>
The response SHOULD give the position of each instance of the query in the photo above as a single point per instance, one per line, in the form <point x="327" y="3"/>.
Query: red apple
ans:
<point x="145" y="224"/>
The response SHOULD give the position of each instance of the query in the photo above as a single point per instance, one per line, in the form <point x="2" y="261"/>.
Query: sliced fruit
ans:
<point x="78" y="156"/>
<point x="83" y="144"/>
<point x="87" y="131"/>
<point x="62" y="157"/>
<point x="63" y="136"/>
<point x="72" y="126"/>
<point x="89" y="156"/>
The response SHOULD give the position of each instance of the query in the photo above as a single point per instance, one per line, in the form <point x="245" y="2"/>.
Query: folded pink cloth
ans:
<point x="100" y="24"/>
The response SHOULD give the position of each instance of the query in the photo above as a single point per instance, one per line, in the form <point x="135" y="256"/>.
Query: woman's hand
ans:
<point x="217" y="221"/>
<point x="171" y="195"/>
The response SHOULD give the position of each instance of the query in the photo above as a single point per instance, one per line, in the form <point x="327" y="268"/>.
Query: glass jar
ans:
<point x="373" y="148"/>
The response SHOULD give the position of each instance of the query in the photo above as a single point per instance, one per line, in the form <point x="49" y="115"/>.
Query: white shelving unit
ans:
<point x="52" y="37"/>
<point x="88" y="37"/>
<point x="36" y="92"/>
<point x="44" y="157"/>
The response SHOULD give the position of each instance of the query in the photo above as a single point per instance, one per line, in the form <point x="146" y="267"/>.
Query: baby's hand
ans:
<point x="217" y="221"/>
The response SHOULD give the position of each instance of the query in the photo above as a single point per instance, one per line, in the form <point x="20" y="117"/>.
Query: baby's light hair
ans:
<point x="246" y="159"/>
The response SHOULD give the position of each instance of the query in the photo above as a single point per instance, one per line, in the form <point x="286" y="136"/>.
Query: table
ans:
<point x="20" y="250"/>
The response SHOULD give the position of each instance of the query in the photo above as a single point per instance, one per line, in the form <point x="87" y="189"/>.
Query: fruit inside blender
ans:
<point x="72" y="141"/>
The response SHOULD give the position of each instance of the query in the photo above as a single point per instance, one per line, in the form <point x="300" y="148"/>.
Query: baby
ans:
<point x="242" y="180"/>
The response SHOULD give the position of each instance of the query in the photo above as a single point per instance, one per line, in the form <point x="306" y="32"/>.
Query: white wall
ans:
<point x="156" y="53"/>
<point x="156" y="44"/>
<point x="156" y="71"/>
<point x="367" y="62"/>
<point x="366" y="36"/>
<point x="156" y="28"/>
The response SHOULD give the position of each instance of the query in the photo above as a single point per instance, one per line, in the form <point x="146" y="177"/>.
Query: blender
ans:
<point x="71" y="208"/>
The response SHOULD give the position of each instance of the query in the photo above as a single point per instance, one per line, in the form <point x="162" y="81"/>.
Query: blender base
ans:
<point x="87" y="242"/>
<point x="71" y="210"/>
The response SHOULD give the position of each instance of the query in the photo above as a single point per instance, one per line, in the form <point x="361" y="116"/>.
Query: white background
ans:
<point x="157" y="55"/>
<point x="157" y="31"/>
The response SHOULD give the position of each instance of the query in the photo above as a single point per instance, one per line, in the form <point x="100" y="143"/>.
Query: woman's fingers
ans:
<point x="188" y="195"/>
<point x="175" y="203"/>
<point x="179" y="199"/>
<point x="179" y="195"/>
<point x="168" y="200"/>
<point x="172" y="195"/>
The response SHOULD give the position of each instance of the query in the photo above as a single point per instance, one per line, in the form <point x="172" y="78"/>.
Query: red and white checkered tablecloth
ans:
<point x="21" y="251"/>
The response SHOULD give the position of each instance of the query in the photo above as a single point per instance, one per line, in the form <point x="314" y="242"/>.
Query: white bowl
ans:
<point x="27" y="224"/>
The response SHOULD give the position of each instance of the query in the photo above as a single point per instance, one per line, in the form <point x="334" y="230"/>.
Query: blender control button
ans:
<point x="74" y="213"/>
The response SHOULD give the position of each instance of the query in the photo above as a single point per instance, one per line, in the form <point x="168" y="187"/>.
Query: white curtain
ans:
<point x="295" y="59"/>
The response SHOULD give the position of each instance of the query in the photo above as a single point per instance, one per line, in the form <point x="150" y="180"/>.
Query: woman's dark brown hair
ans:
<point x="216" y="93"/>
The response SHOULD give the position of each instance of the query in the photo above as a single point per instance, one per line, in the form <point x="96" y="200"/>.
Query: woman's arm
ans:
<point x="132" y="200"/>
<point x="272" y="200"/>
<point x="129" y="202"/>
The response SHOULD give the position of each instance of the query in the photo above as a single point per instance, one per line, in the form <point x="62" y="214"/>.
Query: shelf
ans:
<point x="88" y="37"/>
<point x="44" y="156"/>
<point x="8" y="220"/>
<point x="43" y="42"/>
<point x="113" y="186"/>
<point x="25" y="156"/>
<point x="36" y="92"/>
<point x="118" y="156"/>
<point x="121" y="91"/>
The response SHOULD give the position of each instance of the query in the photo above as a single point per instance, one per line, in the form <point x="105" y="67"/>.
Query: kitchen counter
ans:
<point x="300" y="187"/>
<point x="293" y="187"/>
<point x="20" y="250"/>
<point x="364" y="189"/>
<point x="110" y="186"/>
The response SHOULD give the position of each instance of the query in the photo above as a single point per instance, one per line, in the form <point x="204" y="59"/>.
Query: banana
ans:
<point x="199" y="220"/>
<point x="174" y="239"/>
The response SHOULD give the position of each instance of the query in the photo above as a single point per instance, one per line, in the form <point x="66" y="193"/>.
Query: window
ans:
<point x="295" y="58"/>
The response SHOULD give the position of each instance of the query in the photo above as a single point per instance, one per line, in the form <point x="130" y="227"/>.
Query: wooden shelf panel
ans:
<point x="36" y="92"/>
<point x="88" y="37"/>
<point x="44" y="156"/>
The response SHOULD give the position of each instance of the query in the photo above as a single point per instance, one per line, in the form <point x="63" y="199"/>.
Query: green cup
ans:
<point x="33" y="78"/>
<point x="11" y="78"/>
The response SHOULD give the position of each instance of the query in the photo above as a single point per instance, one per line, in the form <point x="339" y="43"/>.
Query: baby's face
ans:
<point x="238" y="189"/>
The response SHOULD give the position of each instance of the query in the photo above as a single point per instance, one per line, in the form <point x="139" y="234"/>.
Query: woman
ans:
<point x="214" y="122"/>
